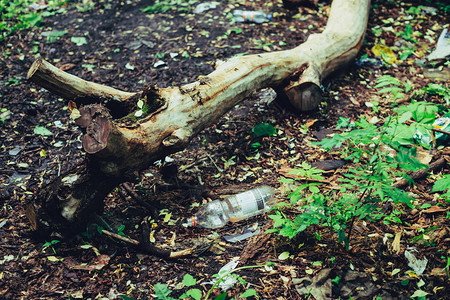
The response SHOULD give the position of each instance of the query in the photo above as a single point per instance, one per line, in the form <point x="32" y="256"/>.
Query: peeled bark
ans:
<point x="119" y="143"/>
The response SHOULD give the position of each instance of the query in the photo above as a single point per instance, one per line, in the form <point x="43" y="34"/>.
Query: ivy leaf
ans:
<point x="195" y="294"/>
<point x="189" y="280"/>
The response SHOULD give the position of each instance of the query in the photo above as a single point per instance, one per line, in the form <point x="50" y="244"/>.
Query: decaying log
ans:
<point x="119" y="144"/>
<point x="438" y="164"/>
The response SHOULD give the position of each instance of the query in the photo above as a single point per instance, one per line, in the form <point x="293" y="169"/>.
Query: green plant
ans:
<point x="379" y="156"/>
<point x="447" y="266"/>
<point x="50" y="245"/>
<point x="392" y="86"/>
<point x="85" y="6"/>
<point x="441" y="5"/>
<point x="442" y="185"/>
<point x="421" y="238"/>
<point x="3" y="115"/>
<point x="162" y="291"/>
<point x="16" y="15"/>
<point x="162" y="6"/>
<point x="228" y="162"/>
<point x="413" y="10"/>
<point x="437" y="89"/>
<point x="53" y="35"/>
<point x="120" y="230"/>
<point x="408" y="34"/>
<point x="220" y="278"/>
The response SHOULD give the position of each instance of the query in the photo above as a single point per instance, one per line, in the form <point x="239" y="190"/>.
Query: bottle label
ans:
<point x="248" y="15"/>
<point x="251" y="202"/>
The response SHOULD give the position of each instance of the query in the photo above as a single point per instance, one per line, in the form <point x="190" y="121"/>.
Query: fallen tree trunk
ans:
<point x="125" y="132"/>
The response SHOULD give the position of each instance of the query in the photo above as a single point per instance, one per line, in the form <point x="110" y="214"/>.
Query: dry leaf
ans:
<point x="424" y="155"/>
<point x="102" y="260"/>
<point x="396" y="242"/>
<point x="310" y="123"/>
<point x="433" y="209"/>
<point x="72" y="105"/>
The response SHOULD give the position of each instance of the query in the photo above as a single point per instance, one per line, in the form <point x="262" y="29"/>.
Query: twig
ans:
<point x="139" y="200"/>
<point x="120" y="237"/>
<point x="150" y="248"/>
<point x="441" y="131"/>
<point x="185" y="167"/>
<point x="219" y="169"/>
<point x="421" y="173"/>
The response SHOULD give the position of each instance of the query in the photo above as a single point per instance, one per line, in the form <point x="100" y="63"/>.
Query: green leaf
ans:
<point x="342" y="122"/>
<point x="162" y="291"/>
<point x="78" y="40"/>
<point x="391" y="89"/>
<point x="256" y="145"/>
<point x="248" y="293"/>
<point x="405" y="117"/>
<point x="53" y="35"/>
<point x="313" y="189"/>
<point x="40" y="130"/>
<point x="441" y="184"/>
<point x="263" y="129"/>
<point x="189" y="280"/>
<point x="126" y="297"/>
<point x="121" y="228"/>
<point x="100" y="229"/>
<point x="287" y="231"/>
<point x="278" y="219"/>
<point x="195" y="294"/>
<point x="284" y="255"/>
<point x="34" y="20"/>
<point x="425" y="205"/>
<point x="222" y="296"/>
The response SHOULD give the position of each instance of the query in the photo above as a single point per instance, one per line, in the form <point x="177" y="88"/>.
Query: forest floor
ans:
<point x="117" y="44"/>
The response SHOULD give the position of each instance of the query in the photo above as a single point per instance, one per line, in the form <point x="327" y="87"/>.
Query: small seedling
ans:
<point x="50" y="245"/>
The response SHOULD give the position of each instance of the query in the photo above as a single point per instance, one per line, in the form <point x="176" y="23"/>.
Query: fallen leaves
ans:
<point x="99" y="263"/>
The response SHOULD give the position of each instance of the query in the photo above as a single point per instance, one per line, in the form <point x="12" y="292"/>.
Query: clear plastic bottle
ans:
<point x="241" y="16"/>
<point x="217" y="213"/>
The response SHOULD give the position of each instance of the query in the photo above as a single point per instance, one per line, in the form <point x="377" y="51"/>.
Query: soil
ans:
<point x="127" y="48"/>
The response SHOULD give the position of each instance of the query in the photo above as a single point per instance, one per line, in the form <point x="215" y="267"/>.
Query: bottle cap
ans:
<point x="269" y="17"/>
<point x="190" y="222"/>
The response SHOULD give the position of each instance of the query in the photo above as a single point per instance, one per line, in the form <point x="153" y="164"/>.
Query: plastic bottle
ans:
<point x="217" y="213"/>
<point x="241" y="16"/>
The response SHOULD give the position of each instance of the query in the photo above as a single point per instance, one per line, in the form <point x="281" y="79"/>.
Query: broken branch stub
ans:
<point x="70" y="86"/>
<point x="119" y="146"/>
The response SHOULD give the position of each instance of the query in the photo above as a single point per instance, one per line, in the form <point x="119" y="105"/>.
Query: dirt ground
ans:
<point x="127" y="48"/>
